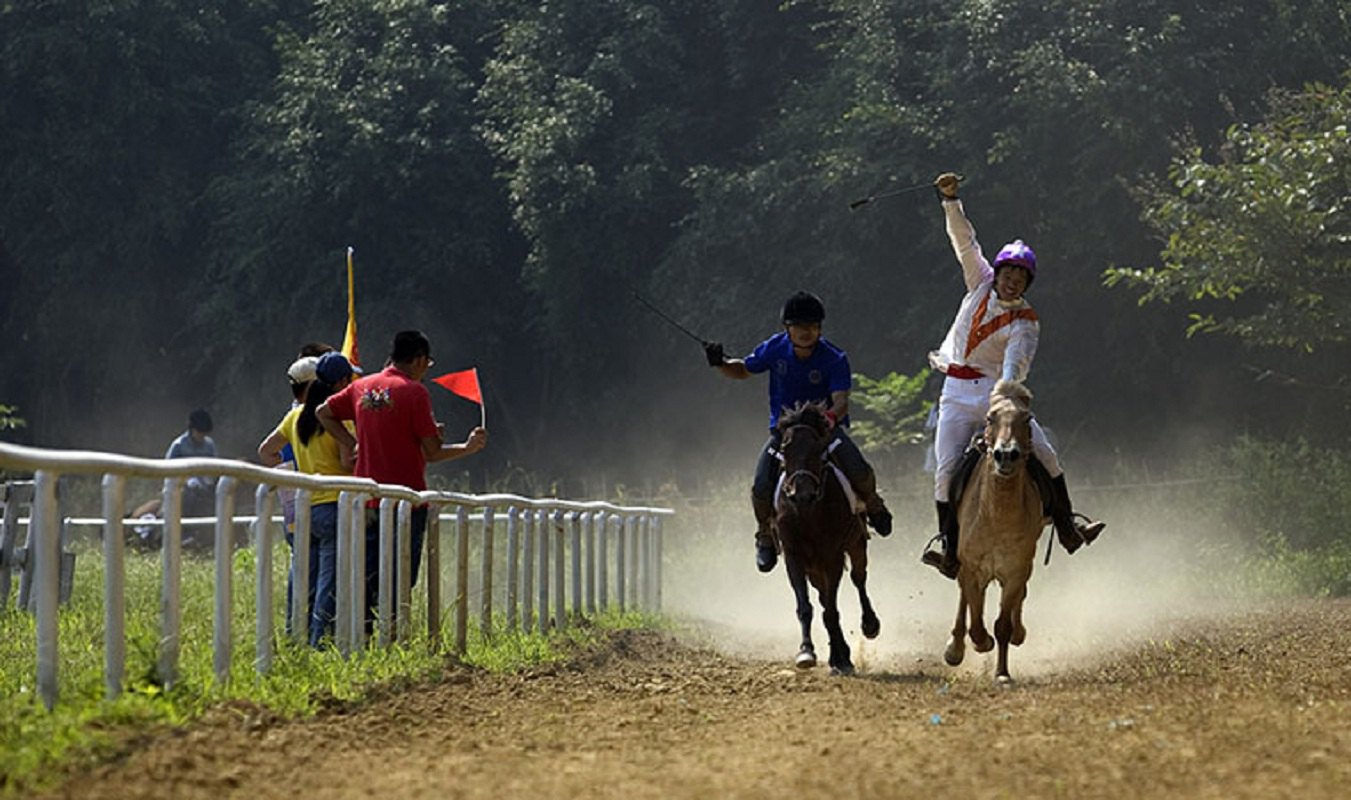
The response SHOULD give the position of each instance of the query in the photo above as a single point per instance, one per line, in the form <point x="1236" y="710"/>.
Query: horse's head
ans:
<point x="804" y="433"/>
<point x="1008" y="426"/>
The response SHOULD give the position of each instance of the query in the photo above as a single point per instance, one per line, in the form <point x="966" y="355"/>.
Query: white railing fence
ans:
<point x="585" y="543"/>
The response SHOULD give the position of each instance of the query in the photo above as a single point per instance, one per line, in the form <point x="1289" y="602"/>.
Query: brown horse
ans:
<point x="816" y="527"/>
<point x="1000" y="514"/>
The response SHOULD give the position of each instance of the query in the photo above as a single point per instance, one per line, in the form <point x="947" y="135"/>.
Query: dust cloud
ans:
<point x="1157" y="565"/>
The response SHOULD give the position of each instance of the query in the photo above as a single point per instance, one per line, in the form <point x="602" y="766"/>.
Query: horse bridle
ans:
<point x="818" y="476"/>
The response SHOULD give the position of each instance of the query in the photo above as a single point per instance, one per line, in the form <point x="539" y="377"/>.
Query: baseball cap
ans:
<point x="302" y="369"/>
<point x="332" y="367"/>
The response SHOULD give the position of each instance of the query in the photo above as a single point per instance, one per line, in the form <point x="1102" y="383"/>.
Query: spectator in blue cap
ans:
<point x="319" y="453"/>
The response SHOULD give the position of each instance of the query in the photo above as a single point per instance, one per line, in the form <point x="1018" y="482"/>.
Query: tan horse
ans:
<point x="1000" y="514"/>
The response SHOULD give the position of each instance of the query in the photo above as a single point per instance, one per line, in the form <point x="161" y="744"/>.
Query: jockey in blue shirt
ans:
<point x="802" y="367"/>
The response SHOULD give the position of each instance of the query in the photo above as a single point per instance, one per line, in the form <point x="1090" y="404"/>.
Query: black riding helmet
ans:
<point x="803" y="308"/>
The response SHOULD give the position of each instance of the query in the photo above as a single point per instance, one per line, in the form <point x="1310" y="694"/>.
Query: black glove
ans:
<point x="713" y="352"/>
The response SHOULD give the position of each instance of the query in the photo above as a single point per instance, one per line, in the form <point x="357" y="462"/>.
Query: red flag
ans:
<point x="464" y="383"/>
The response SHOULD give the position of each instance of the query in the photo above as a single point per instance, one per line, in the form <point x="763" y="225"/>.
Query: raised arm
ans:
<point x="975" y="269"/>
<point x="730" y="367"/>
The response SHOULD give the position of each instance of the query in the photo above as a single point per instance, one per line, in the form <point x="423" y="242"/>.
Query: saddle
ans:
<point x="975" y="451"/>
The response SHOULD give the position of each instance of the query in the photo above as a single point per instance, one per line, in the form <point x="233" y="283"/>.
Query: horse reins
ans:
<point x="815" y="476"/>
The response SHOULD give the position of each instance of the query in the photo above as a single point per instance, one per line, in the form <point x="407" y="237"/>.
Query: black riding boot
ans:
<point x="1072" y="533"/>
<point x="946" y="561"/>
<point x="860" y="475"/>
<point x="766" y="548"/>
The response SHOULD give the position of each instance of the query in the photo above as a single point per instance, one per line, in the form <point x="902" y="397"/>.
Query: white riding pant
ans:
<point x="962" y="408"/>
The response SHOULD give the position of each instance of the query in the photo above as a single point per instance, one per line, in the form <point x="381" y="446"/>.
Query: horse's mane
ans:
<point x="804" y="413"/>
<point x="1014" y="391"/>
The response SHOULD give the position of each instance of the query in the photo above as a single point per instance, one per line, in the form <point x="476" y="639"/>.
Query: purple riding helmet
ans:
<point x="1018" y="254"/>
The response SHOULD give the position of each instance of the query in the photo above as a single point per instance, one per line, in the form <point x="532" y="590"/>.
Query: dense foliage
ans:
<point x="1267" y="228"/>
<point x="179" y="183"/>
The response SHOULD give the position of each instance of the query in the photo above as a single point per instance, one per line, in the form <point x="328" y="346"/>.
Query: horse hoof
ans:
<point x="1004" y="680"/>
<point x="843" y="671"/>
<point x="982" y="645"/>
<point x="871" y="626"/>
<point x="953" y="653"/>
<point x="806" y="659"/>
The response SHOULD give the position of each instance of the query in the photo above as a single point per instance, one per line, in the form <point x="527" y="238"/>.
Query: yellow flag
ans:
<point x="349" y="339"/>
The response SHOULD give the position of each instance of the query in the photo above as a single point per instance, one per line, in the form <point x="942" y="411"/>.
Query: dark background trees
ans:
<point x="179" y="183"/>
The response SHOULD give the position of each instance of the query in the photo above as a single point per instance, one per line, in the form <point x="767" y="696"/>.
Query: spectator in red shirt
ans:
<point x="396" y="437"/>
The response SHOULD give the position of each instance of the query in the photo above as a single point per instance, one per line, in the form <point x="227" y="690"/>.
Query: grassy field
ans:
<point x="36" y="745"/>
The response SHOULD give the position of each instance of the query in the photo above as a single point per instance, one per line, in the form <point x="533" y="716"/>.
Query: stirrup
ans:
<point x="940" y="561"/>
<point x="1089" y="529"/>
<point x="1071" y="545"/>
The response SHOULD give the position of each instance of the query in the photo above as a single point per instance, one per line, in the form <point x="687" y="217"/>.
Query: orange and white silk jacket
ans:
<point x="999" y="339"/>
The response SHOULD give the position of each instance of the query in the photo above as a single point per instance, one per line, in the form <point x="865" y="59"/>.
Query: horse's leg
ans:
<point x="858" y="573"/>
<point x="829" y="591"/>
<point x="1019" y="634"/>
<point x="980" y="637"/>
<point x="1010" y="608"/>
<point x="956" y="648"/>
<point x="797" y="578"/>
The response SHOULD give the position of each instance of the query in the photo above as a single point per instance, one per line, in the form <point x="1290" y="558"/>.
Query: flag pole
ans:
<point x="482" y="403"/>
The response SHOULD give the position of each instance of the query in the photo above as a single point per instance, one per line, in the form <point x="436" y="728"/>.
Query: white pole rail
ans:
<point x="539" y="556"/>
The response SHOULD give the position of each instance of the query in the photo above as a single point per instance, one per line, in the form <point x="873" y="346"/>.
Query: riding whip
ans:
<point x="672" y="322"/>
<point x="863" y="201"/>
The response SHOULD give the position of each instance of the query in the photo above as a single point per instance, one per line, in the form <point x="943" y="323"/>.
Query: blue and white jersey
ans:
<point x="793" y="380"/>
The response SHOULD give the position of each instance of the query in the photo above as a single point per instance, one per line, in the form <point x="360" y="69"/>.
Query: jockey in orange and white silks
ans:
<point x="993" y="337"/>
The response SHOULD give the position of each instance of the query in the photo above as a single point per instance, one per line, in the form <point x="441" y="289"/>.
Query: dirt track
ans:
<point x="1258" y="705"/>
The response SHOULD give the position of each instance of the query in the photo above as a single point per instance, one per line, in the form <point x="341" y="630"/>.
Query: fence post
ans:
<point x="658" y="573"/>
<point x="560" y="534"/>
<point x="641" y="583"/>
<point x="513" y="564"/>
<point x="114" y="585"/>
<point x="528" y="572"/>
<point x="621" y="562"/>
<point x="44" y="561"/>
<point x="384" y="617"/>
<point x="486" y="575"/>
<point x="342" y="610"/>
<point x="461" y="579"/>
<point x="543" y="571"/>
<point x="358" y="574"/>
<point x="262" y="535"/>
<point x="591" y="561"/>
<point x="299" y="612"/>
<point x="403" y="572"/>
<point x="171" y="559"/>
<point x="632" y="565"/>
<point x="576" y="563"/>
<point x="222" y="644"/>
<point x="9" y="534"/>
<point x="602" y="558"/>
<point x="434" y="576"/>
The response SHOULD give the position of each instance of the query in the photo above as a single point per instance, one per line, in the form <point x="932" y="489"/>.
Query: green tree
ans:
<point x="116" y="116"/>
<point x="367" y="137"/>
<point x="1258" y="241"/>
<point x="9" y="418"/>
<point x="894" y="413"/>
